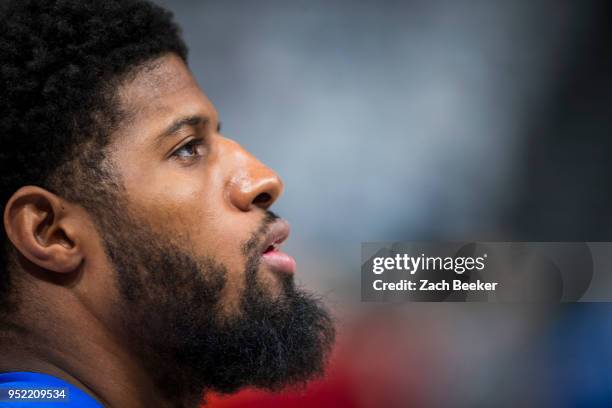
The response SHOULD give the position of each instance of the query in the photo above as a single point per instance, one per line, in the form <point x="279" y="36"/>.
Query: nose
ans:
<point x="252" y="184"/>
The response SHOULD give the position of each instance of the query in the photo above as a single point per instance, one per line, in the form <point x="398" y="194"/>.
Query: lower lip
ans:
<point x="279" y="262"/>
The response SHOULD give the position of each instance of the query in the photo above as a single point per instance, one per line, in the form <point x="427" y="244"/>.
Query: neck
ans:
<point x="77" y="347"/>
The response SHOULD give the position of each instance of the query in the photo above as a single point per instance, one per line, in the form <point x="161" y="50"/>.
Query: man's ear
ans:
<point x="43" y="229"/>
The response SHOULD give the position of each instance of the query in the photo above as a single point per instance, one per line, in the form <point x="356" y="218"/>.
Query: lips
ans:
<point x="272" y="256"/>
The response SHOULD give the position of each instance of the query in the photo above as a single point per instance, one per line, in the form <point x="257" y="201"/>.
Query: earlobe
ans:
<point x="38" y="223"/>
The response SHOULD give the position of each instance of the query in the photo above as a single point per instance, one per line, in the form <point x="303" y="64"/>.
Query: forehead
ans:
<point x="161" y="91"/>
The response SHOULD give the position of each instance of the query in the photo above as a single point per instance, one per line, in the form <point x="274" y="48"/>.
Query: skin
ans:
<point x="209" y="197"/>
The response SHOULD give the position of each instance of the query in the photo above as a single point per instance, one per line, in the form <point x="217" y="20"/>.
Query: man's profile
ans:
<point x="140" y="263"/>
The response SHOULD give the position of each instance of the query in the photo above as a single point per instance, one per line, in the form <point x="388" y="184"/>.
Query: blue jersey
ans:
<point x="31" y="390"/>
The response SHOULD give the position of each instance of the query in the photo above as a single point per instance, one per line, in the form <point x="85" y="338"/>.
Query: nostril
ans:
<point x="262" y="199"/>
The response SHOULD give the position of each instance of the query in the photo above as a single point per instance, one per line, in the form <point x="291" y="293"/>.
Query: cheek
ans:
<point x="189" y="206"/>
<point x="183" y="213"/>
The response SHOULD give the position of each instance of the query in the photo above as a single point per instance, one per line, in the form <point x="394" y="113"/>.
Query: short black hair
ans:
<point x="60" y="64"/>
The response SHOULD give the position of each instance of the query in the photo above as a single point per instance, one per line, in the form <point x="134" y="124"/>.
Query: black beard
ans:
<point x="171" y="307"/>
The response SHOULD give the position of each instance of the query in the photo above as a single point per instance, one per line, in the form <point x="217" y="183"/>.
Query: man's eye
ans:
<point x="189" y="150"/>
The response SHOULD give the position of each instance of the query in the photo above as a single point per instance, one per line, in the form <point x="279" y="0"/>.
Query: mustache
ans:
<point x="253" y="242"/>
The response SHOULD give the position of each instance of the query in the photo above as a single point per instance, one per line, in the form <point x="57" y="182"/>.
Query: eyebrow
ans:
<point x="180" y="123"/>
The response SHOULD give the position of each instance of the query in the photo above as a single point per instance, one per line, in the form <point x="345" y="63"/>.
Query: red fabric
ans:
<point x="332" y="392"/>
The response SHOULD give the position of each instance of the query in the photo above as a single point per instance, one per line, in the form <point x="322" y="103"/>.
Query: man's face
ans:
<point x="201" y="190"/>
<point x="197" y="287"/>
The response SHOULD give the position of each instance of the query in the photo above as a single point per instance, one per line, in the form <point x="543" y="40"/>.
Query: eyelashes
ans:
<point x="192" y="150"/>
